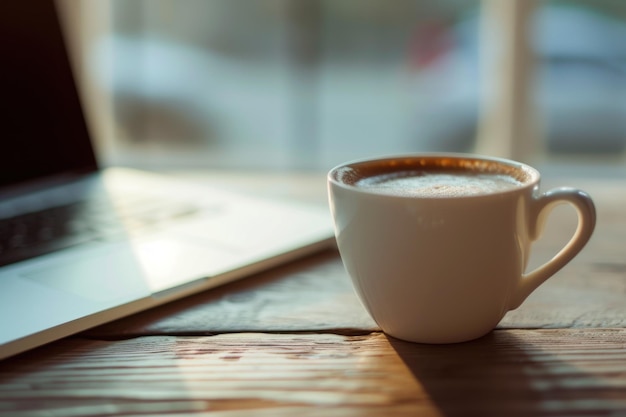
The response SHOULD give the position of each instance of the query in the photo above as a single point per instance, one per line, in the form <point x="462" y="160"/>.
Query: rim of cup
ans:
<point x="347" y="173"/>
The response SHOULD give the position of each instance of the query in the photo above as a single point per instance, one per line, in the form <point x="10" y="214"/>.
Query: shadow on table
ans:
<point x="499" y="374"/>
<point x="309" y="294"/>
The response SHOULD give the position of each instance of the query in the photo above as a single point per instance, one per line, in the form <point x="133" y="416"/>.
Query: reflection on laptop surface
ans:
<point x="79" y="245"/>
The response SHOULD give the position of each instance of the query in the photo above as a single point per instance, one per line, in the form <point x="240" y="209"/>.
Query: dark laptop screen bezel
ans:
<point x="43" y="128"/>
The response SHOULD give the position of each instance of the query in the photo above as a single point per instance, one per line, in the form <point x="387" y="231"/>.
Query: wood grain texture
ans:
<point x="272" y="374"/>
<point x="508" y="372"/>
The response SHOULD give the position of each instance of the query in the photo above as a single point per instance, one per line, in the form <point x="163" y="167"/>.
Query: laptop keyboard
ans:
<point x="87" y="221"/>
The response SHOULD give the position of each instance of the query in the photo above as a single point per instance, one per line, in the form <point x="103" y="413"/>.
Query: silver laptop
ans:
<point x="81" y="246"/>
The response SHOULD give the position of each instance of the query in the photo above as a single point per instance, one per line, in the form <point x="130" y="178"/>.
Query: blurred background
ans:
<point x="307" y="84"/>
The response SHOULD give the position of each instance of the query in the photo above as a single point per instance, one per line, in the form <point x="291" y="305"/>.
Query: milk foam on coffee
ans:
<point x="438" y="183"/>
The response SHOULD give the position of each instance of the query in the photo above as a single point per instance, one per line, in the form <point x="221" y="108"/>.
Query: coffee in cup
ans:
<point x="437" y="245"/>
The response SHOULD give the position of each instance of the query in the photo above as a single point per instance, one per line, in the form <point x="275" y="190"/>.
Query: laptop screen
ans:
<point x="42" y="127"/>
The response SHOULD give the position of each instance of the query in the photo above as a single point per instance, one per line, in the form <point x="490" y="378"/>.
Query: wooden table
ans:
<point x="296" y="341"/>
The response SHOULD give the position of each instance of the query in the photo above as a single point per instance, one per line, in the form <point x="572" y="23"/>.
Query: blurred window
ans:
<point x="309" y="83"/>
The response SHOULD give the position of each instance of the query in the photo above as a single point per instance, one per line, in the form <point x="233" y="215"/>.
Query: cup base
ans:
<point x="438" y="339"/>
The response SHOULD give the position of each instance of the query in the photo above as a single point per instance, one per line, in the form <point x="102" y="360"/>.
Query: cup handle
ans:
<point x="540" y="208"/>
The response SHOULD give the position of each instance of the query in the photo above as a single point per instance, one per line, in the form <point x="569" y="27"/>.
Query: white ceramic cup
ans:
<point x="446" y="269"/>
